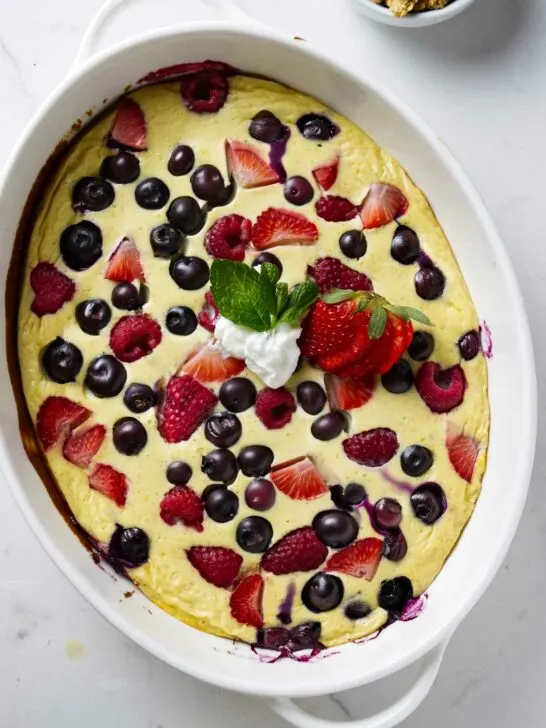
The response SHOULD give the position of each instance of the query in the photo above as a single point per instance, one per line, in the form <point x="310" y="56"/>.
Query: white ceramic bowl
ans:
<point x="414" y="20"/>
<point x="512" y="377"/>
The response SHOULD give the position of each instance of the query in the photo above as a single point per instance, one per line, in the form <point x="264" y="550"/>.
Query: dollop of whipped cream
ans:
<point x="272" y="355"/>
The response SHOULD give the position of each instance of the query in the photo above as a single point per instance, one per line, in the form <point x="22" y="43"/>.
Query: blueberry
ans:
<point x="422" y="346"/>
<point x="387" y="513"/>
<point x="186" y="215"/>
<point x="93" y="315"/>
<point x="395" y="593"/>
<point x="298" y="190"/>
<point x="429" y="283"/>
<point x="328" y="426"/>
<point x="272" y="638"/>
<point x="255" y="460"/>
<point x="428" y="502"/>
<point x="416" y="460"/>
<point x="260" y="494"/>
<point x="311" y="397"/>
<point x="221" y="505"/>
<point x="207" y="184"/>
<point x="129" y="436"/>
<point x="317" y="127"/>
<point x="357" y="610"/>
<point x="335" y="528"/>
<point x="305" y="636"/>
<point x="399" y="378"/>
<point x="81" y="245"/>
<point x="266" y="257"/>
<point x="106" y="376"/>
<point x="353" y="244"/>
<point x="265" y="127"/>
<point x="179" y="473"/>
<point x="181" y="160"/>
<point x="469" y="345"/>
<point x="166" y="240"/>
<point x="223" y="429"/>
<point x="220" y="465"/>
<point x="92" y="193"/>
<point x="131" y="546"/>
<point x="254" y="534"/>
<point x="395" y="546"/>
<point x="139" y="397"/>
<point x="405" y="245"/>
<point x="354" y="493"/>
<point x="181" y="320"/>
<point x="121" y="168"/>
<point x="126" y="297"/>
<point x="62" y="361"/>
<point x="322" y="592"/>
<point x="152" y="193"/>
<point x="189" y="272"/>
<point x="238" y="394"/>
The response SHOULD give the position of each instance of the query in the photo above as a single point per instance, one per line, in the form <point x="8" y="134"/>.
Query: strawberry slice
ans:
<point x="182" y="505"/>
<point x="247" y="166"/>
<point x="246" y="601"/>
<point x="57" y="417"/>
<point x="208" y="364"/>
<point x="463" y="452"/>
<point x="299" y="479"/>
<point x="81" y="447"/>
<point x="129" y="127"/>
<point x="52" y="289"/>
<point x="276" y="226"/>
<point x="184" y="406"/>
<point x="110" y="482"/>
<point x="299" y="550"/>
<point x="383" y="204"/>
<point x="124" y="264"/>
<point x="326" y="174"/>
<point x="349" y="394"/>
<point x="216" y="564"/>
<point x="360" y="559"/>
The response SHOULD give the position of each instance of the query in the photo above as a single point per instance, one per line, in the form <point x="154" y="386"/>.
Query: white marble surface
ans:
<point x="479" y="80"/>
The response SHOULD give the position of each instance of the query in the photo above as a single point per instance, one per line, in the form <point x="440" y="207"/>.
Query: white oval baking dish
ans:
<point x="487" y="270"/>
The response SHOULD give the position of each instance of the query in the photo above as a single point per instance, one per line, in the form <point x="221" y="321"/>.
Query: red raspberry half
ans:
<point x="229" y="237"/>
<point x="134" y="337"/>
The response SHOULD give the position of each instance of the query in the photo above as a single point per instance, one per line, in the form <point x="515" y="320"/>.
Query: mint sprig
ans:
<point x="256" y="299"/>
<point x="379" y="307"/>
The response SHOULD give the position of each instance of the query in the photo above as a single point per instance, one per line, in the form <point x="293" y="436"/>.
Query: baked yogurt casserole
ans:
<point x="404" y="7"/>
<point x="252" y="362"/>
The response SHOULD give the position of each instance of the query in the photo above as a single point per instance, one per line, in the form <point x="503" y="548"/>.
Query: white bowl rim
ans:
<point x="414" y="20"/>
<point x="528" y="426"/>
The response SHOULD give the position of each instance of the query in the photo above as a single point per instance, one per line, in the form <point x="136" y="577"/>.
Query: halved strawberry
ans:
<point x="209" y="364"/>
<point x="52" y="289"/>
<point x="124" y="264"/>
<point x="299" y="479"/>
<point x="383" y="204"/>
<point x="326" y="174"/>
<point x="463" y="452"/>
<point x="216" y="564"/>
<point x="246" y="601"/>
<point x="348" y="394"/>
<point x="57" y="417"/>
<point x="247" y="166"/>
<point x="110" y="482"/>
<point x="276" y="226"/>
<point x="360" y="559"/>
<point x="81" y="447"/>
<point x="129" y="127"/>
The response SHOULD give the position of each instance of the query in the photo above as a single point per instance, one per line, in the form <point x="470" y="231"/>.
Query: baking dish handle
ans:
<point x="226" y="9"/>
<point x="387" y="718"/>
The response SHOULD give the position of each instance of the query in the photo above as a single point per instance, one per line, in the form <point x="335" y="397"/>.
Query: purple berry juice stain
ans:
<point x="285" y="610"/>
<point x="413" y="608"/>
<point x="277" y="151"/>
<point x="486" y="340"/>
<point x="402" y="485"/>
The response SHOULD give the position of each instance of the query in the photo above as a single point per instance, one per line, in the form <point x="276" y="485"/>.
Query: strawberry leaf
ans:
<point x="338" y="295"/>
<point x="377" y="323"/>
<point x="419" y="316"/>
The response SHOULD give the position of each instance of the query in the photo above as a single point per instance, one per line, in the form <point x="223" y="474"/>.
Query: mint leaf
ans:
<point x="419" y="316"/>
<point x="337" y="295"/>
<point x="242" y="295"/>
<point x="282" y="296"/>
<point x="271" y="272"/>
<point x="300" y="298"/>
<point x="377" y="323"/>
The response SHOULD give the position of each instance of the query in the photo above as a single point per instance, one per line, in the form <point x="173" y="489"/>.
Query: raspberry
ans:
<point x="186" y="405"/>
<point x="274" y="407"/>
<point x="229" y="237"/>
<point x="182" y="505"/>
<point x="216" y="564"/>
<point x="335" y="209"/>
<point x="331" y="273"/>
<point x="440" y="389"/>
<point x="204" y="92"/>
<point x="51" y="287"/>
<point x="299" y="550"/>
<point x="372" y="448"/>
<point x="134" y="337"/>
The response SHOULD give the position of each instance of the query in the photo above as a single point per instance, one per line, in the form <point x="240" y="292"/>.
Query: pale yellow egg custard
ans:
<point x="299" y="477"/>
